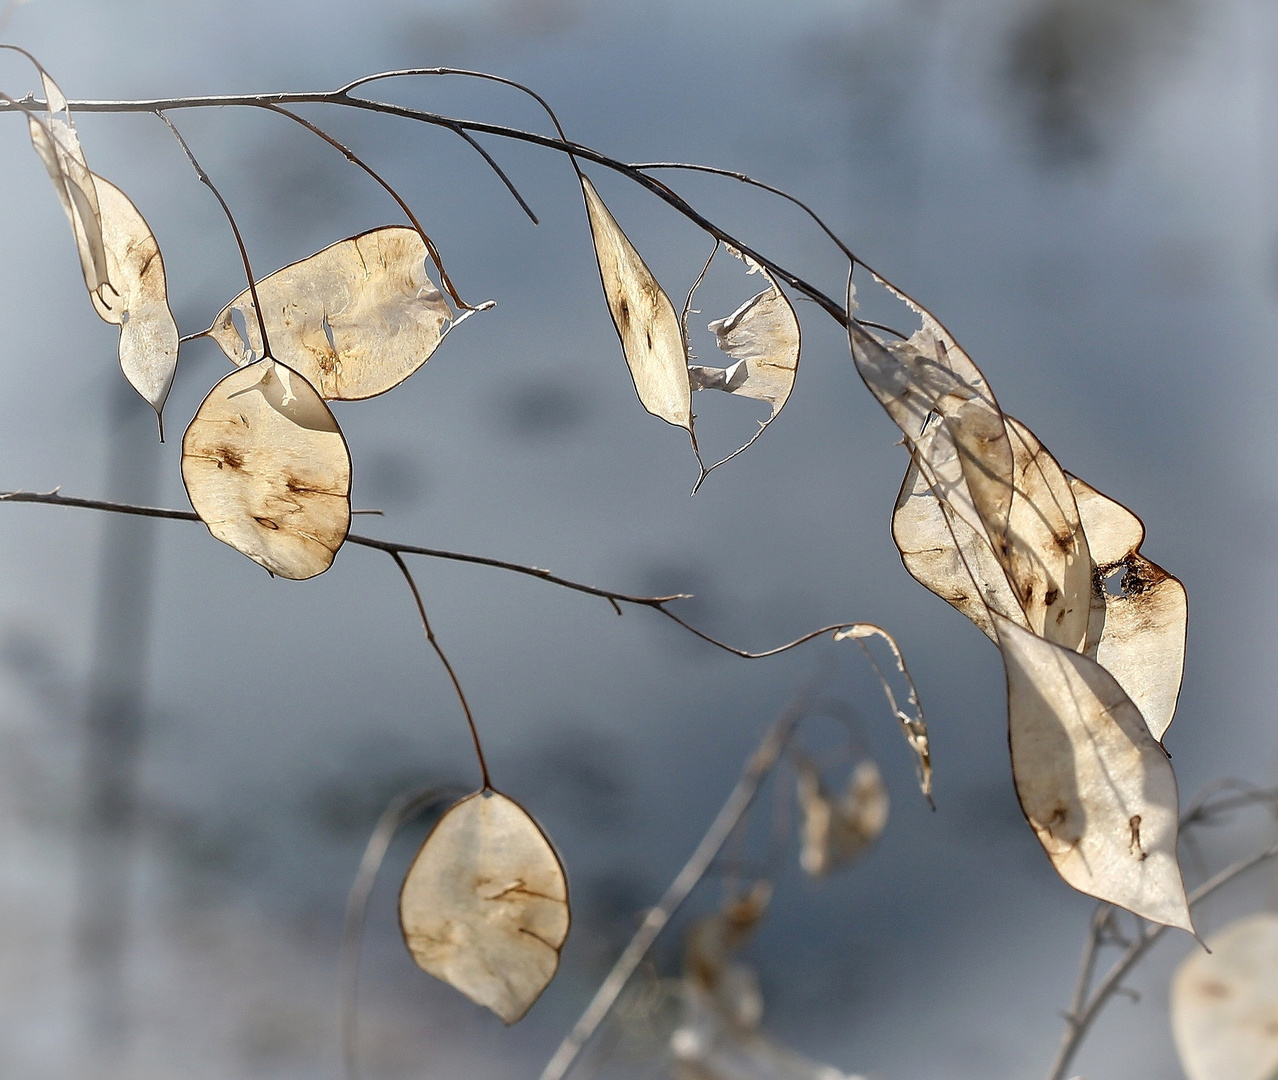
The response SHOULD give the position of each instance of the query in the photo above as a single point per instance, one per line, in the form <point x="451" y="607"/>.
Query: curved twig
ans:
<point x="614" y="597"/>
<point x="486" y="782"/>
<point x="742" y="795"/>
<point x="564" y="146"/>
<point x="355" y="160"/>
<point x="239" y="240"/>
<point x="1085" y="1006"/>
<point x="486" y="75"/>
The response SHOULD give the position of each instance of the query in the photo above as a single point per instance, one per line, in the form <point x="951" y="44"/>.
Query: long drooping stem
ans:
<point x="485" y="780"/>
<point x="239" y="240"/>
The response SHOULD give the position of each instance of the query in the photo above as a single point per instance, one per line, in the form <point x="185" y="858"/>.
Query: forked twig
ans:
<point x="725" y="824"/>
<point x="342" y="97"/>
<point x="747" y="787"/>
<point x="354" y="159"/>
<point x="1086" y="1003"/>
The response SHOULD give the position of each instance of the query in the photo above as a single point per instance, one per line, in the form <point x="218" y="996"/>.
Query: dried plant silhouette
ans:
<point x="1091" y="633"/>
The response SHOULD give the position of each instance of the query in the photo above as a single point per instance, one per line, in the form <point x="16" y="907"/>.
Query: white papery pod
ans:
<point x="1095" y="785"/>
<point x="1224" y="1003"/>
<point x="484" y="907"/>
<point x="355" y="319"/>
<point x="644" y="317"/>
<point x="1139" y="612"/>
<point x="135" y="297"/>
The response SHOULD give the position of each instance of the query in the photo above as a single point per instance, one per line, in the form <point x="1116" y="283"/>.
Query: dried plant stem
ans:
<point x="354" y="159"/>
<point x="486" y="782"/>
<point x="656" y="603"/>
<point x="239" y="240"/>
<point x="1086" y="1006"/>
<point x="756" y="770"/>
<point x="401" y="809"/>
<point x="399" y="73"/>
<point x="342" y="97"/>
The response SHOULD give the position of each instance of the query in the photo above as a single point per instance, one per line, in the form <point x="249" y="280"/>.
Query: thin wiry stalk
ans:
<point x="615" y="598"/>
<point x="683" y="325"/>
<point x="486" y="75"/>
<point x="355" y="160"/>
<point x="239" y="240"/>
<point x="403" y="72"/>
<point x="402" y="809"/>
<point x="486" y="783"/>
<point x="752" y="182"/>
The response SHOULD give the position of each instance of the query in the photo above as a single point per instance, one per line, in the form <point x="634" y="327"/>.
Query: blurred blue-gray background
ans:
<point x="192" y="753"/>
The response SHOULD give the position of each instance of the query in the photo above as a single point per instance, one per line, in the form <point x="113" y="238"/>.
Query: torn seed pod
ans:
<point x="484" y="907"/>
<point x="764" y="339"/>
<point x="355" y="319"/>
<point x="1139" y="612"/>
<point x="914" y="727"/>
<point x="58" y="145"/>
<point x="268" y="471"/>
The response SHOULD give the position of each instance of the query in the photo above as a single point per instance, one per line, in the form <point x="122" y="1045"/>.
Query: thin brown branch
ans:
<point x="752" y="182"/>
<point x="572" y="149"/>
<point x="486" y="782"/>
<point x="614" y="597"/>
<point x="1086" y="1008"/>
<point x="488" y="76"/>
<point x="239" y="240"/>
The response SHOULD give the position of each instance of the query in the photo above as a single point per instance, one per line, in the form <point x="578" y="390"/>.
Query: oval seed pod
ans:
<point x="1224" y="1003"/>
<point x="268" y="471"/>
<point x="135" y="296"/>
<point x="1092" y="781"/>
<point x="484" y="907"/>
<point x="355" y="319"/>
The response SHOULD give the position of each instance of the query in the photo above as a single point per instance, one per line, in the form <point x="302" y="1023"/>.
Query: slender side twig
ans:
<point x="486" y="75"/>
<point x="401" y="810"/>
<point x="350" y="156"/>
<point x="742" y="795"/>
<point x="239" y="240"/>
<point x="486" y="783"/>
<point x="1086" y="1007"/>
<point x="489" y="77"/>
<point x="733" y="174"/>
<point x="615" y="598"/>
